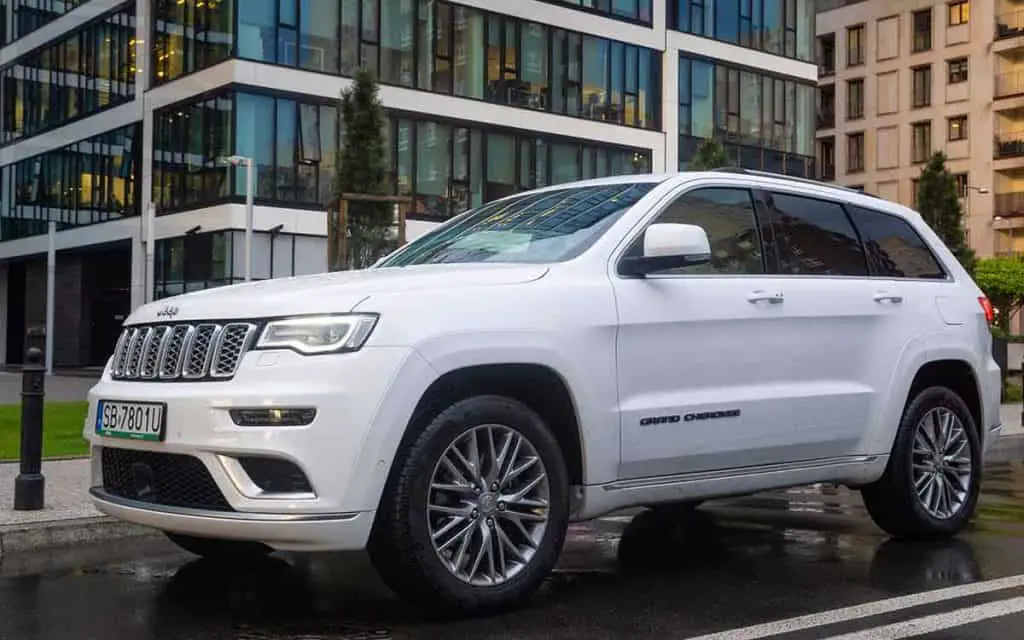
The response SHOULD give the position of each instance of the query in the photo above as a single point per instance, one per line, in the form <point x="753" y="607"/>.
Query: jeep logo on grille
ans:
<point x="167" y="312"/>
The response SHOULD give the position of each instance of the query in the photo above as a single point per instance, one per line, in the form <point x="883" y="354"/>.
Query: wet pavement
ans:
<point x="739" y="566"/>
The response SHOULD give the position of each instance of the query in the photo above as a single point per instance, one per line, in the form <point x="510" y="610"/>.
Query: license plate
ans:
<point x="133" y="420"/>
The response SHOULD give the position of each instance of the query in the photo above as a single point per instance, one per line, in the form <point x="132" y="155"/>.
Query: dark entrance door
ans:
<point x="108" y="310"/>
<point x="107" y="299"/>
<point x="15" y="313"/>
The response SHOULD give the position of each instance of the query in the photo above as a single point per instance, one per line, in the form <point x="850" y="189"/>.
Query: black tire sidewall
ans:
<point x="424" y="455"/>
<point x="902" y="462"/>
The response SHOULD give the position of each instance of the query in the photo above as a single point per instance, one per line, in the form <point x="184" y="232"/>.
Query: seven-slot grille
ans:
<point x="199" y="351"/>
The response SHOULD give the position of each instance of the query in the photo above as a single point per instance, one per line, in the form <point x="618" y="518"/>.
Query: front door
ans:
<point x="714" y="368"/>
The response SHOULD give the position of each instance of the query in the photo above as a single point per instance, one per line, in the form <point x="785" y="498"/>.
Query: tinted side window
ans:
<point x="727" y="216"/>
<point x="894" y="249"/>
<point x="814" y="237"/>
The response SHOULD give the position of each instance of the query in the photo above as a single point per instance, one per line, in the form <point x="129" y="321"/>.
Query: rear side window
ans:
<point x="894" y="249"/>
<point x="814" y="237"/>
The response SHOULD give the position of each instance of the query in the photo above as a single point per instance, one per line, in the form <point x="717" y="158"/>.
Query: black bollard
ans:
<point x="29" y="486"/>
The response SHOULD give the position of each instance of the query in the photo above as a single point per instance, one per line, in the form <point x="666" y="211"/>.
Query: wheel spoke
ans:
<point x="482" y="535"/>
<point x="941" y="463"/>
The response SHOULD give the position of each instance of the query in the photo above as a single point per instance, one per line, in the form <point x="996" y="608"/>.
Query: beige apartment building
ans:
<point x="899" y="79"/>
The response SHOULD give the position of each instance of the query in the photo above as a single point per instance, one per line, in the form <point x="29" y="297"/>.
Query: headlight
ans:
<point x="318" y="334"/>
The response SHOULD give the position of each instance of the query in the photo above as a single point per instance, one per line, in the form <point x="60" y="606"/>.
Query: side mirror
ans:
<point x="668" y="246"/>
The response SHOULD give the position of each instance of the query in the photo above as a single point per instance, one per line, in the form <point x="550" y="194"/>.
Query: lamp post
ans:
<point x="250" y="187"/>
<point x="967" y="209"/>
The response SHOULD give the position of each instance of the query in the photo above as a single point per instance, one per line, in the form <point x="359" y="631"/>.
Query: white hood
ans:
<point x="335" y="292"/>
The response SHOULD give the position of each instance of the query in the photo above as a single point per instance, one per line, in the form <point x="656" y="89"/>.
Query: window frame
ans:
<point x="914" y="126"/>
<point x="871" y="266"/>
<point x="958" y="13"/>
<point x="955" y="75"/>
<point x="963" y="122"/>
<point x="862" y="138"/>
<point x="921" y="41"/>
<point x="762" y="224"/>
<point x="861" y="30"/>
<point x="926" y="72"/>
<point x="850" y="85"/>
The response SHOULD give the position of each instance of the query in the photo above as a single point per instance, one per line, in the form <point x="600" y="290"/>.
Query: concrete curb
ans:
<point x="37" y="536"/>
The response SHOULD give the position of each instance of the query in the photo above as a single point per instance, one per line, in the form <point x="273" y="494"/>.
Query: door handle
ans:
<point x="764" y="296"/>
<point x="881" y="296"/>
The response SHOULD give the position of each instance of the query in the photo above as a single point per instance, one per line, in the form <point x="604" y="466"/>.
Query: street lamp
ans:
<point x="250" y="187"/>
<point x="967" y="207"/>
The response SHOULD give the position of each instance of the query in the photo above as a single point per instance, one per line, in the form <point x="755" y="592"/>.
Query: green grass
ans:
<point x="62" y="430"/>
<point x="1013" y="393"/>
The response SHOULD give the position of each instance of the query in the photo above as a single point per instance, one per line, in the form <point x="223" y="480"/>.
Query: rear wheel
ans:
<point x="476" y="513"/>
<point x="931" y="483"/>
<point x="217" y="549"/>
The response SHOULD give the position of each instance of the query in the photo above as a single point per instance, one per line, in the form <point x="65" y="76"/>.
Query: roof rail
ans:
<point x="782" y="176"/>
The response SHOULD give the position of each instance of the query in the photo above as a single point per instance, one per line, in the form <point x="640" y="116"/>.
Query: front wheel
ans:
<point x="931" y="483"/>
<point x="476" y="513"/>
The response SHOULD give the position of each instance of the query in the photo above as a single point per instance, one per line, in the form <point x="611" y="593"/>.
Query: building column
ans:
<point x="138" y="286"/>
<point x="670" y="107"/>
<point x="143" y="287"/>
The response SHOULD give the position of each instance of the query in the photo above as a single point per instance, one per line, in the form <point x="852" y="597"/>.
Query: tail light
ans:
<point x="986" y="306"/>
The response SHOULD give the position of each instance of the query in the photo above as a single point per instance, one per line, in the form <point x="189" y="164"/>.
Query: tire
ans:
<point x="216" y="549"/>
<point x="894" y="503"/>
<point x="401" y="545"/>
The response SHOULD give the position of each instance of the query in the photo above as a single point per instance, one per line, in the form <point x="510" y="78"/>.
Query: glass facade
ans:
<point x="29" y="15"/>
<point x="445" y="166"/>
<point x="447" y="48"/>
<point x="90" y="181"/>
<point x="632" y="10"/>
<point x="188" y="36"/>
<point x="782" y="27"/>
<point x="765" y="122"/>
<point x="86" y="71"/>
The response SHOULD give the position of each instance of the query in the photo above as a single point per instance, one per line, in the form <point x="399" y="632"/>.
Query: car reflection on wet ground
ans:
<point x="642" y="574"/>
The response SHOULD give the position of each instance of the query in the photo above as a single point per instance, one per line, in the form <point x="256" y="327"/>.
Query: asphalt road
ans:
<point x="793" y="565"/>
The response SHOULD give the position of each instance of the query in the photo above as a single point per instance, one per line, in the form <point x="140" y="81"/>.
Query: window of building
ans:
<point x="84" y="72"/>
<point x="86" y="182"/>
<point x="827" y="55"/>
<point x="855" y="99"/>
<point x="855" y="45"/>
<point x="814" y="237"/>
<point x="921" y="86"/>
<point x="961" y="184"/>
<point x="894" y="248"/>
<point x="782" y="27"/>
<point x="632" y="10"/>
<point x="189" y="36"/>
<point x="727" y="216"/>
<point x="445" y="167"/>
<point x="827" y="158"/>
<point x="922" y="25"/>
<point x="959" y="12"/>
<point x="956" y="70"/>
<point x="855" y="152"/>
<point x="765" y="122"/>
<point x="29" y="15"/>
<point x="956" y="128"/>
<point x="915" y="185"/>
<point x="921" y="141"/>
<point x="826" y="106"/>
<point x="464" y="51"/>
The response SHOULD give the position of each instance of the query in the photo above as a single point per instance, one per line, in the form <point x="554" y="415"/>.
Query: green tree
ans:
<point x="709" y="155"/>
<point x="939" y="204"/>
<point x="362" y="169"/>
<point x="1002" y="280"/>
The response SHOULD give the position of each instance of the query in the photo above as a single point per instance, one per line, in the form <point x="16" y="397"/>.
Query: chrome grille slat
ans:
<point x="181" y="351"/>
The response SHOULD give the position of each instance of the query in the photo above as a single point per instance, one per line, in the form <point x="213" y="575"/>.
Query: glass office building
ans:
<point x="119" y="120"/>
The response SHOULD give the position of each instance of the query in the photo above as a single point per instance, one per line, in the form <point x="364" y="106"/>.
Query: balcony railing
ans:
<point x="1009" y="205"/>
<point x="826" y="118"/>
<point x="826" y="70"/>
<point x="1010" y="24"/>
<point x="1010" y="83"/>
<point x="827" y="172"/>
<point x="1009" y="144"/>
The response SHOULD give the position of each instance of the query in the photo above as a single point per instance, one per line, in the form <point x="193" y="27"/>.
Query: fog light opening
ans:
<point x="273" y="416"/>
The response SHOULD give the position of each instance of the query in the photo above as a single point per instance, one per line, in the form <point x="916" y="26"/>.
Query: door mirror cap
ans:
<point x="669" y="246"/>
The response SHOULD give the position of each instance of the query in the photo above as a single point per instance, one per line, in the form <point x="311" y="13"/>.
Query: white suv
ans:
<point x="551" y="357"/>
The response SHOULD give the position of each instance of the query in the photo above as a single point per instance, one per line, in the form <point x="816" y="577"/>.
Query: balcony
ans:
<point x="1009" y="144"/>
<point x="1009" y="84"/>
<point x="826" y="118"/>
<point x="826" y="70"/>
<point x="1008" y="205"/>
<point x="1010" y="24"/>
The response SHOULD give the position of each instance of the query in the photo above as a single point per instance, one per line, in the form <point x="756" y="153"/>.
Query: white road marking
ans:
<point x="865" y="610"/>
<point x="938" y="621"/>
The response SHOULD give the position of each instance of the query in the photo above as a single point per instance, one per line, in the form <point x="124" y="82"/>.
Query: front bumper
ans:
<point x="339" y="454"/>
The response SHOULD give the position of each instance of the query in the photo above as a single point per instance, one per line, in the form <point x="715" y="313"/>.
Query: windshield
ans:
<point x="535" y="228"/>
